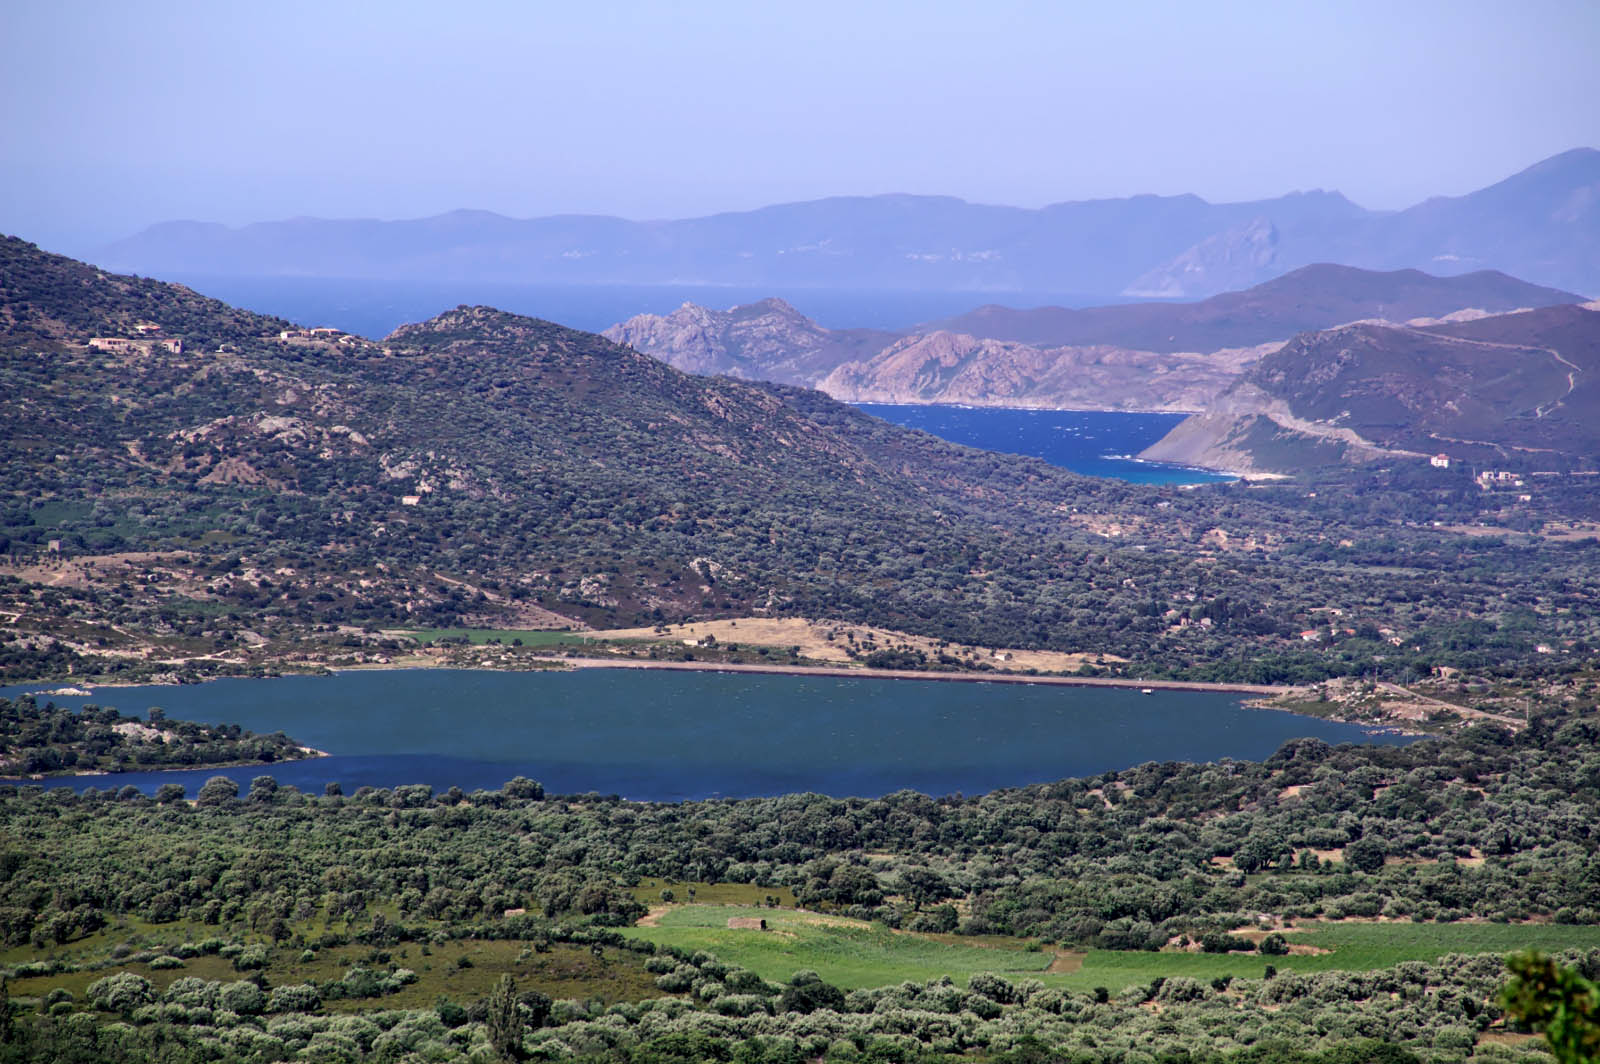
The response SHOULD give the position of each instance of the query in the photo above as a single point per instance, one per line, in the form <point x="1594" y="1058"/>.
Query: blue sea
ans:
<point x="374" y="308"/>
<point x="1096" y="443"/>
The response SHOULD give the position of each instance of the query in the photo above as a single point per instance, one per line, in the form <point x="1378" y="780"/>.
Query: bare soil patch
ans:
<point x="1066" y="962"/>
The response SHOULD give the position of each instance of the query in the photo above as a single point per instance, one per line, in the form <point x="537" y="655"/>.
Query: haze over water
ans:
<point x="663" y="735"/>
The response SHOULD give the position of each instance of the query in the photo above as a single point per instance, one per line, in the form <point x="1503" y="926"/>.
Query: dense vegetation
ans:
<point x="45" y="739"/>
<point x="365" y="889"/>
<point x="1484" y="826"/>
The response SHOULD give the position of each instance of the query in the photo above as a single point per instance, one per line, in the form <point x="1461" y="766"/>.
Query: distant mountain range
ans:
<point x="1151" y="356"/>
<point x="1513" y="391"/>
<point x="1542" y="224"/>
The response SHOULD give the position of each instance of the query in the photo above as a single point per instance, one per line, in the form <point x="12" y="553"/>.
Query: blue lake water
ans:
<point x="661" y="735"/>
<point x="1096" y="443"/>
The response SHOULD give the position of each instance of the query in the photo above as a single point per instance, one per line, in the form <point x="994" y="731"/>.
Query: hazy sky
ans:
<point x="120" y="114"/>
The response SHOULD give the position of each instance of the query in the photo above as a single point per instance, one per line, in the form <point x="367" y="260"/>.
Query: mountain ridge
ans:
<point x="1542" y="223"/>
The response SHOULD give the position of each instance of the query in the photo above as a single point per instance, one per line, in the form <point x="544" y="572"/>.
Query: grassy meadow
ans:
<point x="852" y="953"/>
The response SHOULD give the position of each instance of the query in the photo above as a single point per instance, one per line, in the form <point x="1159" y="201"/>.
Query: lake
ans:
<point x="1096" y="443"/>
<point x="669" y="736"/>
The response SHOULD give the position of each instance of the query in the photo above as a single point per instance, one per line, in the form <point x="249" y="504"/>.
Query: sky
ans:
<point x="118" y="115"/>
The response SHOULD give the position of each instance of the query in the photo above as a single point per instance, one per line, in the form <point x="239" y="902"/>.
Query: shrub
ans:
<point x="243" y="997"/>
<point x="251" y="958"/>
<point x="1274" y="945"/>
<point x="193" y="992"/>
<point x="303" y="997"/>
<point x="1181" y="988"/>
<point x="122" y="992"/>
<point x="217" y="790"/>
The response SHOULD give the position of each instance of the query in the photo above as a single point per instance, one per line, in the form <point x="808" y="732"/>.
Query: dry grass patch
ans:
<point x="830" y="641"/>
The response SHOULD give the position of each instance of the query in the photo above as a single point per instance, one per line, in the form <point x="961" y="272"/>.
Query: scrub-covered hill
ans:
<point x="187" y="488"/>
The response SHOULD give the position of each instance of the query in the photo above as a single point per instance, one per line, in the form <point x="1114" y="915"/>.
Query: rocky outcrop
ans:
<point x="768" y="340"/>
<point x="946" y="367"/>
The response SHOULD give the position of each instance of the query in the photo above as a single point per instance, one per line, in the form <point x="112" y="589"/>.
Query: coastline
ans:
<point x="1045" y="408"/>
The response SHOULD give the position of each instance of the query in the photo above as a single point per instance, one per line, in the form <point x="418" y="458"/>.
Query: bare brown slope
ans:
<point x="1518" y="389"/>
<point x="945" y="367"/>
<point x="1314" y="297"/>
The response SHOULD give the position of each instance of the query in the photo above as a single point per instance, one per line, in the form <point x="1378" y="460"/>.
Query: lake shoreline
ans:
<point x="840" y="672"/>
<point x="835" y="671"/>
<point x="111" y="774"/>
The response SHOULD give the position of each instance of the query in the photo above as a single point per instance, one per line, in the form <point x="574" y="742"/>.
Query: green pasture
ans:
<point x="852" y="954"/>
<point x="846" y="953"/>
<point x="1351" y="947"/>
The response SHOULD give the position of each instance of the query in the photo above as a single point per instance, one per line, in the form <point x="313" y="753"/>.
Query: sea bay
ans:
<point x="1096" y="443"/>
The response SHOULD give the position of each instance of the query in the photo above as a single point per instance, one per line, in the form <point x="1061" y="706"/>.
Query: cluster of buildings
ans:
<point x="325" y="334"/>
<point x="147" y="341"/>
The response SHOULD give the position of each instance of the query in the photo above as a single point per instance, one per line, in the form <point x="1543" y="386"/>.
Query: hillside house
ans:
<point x="746" y="923"/>
<point x="125" y="345"/>
<point x="410" y="500"/>
<point x="321" y="332"/>
<point x="1440" y="461"/>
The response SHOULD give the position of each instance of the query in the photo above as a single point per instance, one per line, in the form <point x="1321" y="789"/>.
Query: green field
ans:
<point x="851" y="954"/>
<point x="1352" y="947"/>
<point x="847" y="953"/>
